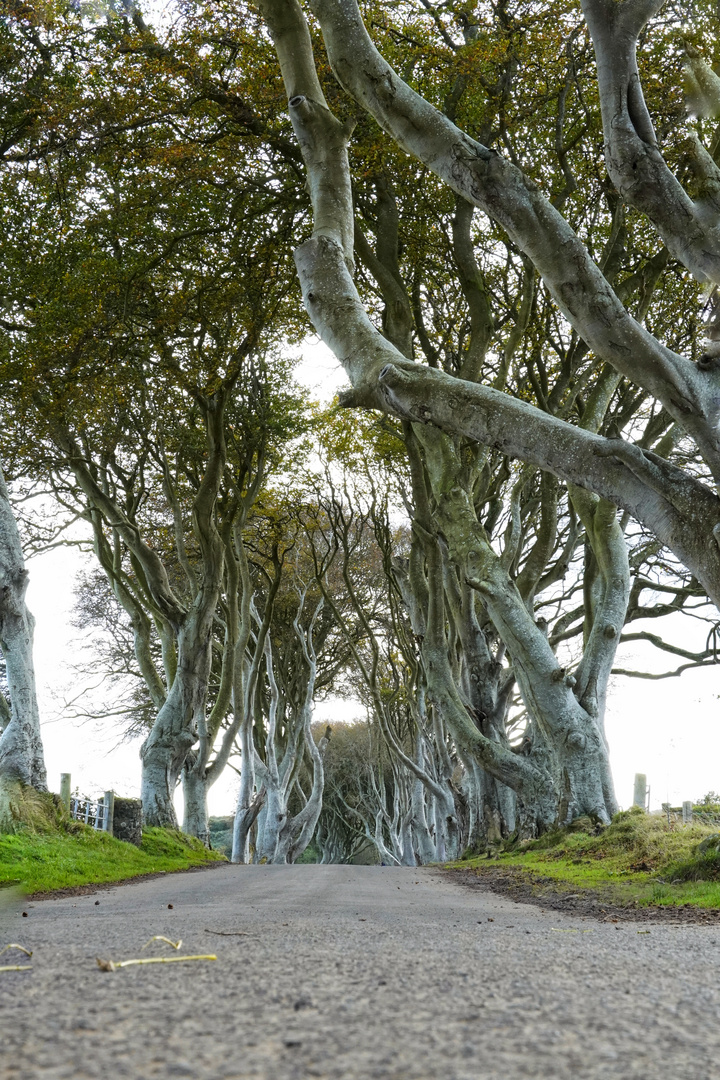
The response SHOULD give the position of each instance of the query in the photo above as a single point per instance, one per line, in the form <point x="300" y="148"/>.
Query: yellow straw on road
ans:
<point x="110" y="965"/>
<point x="16" y="967"/>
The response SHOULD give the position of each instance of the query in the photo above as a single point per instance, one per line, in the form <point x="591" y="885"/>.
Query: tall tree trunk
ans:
<point x="195" y="793"/>
<point x="274" y="818"/>
<point x="304" y="823"/>
<point x="423" y="843"/>
<point x="248" y="807"/>
<point x="164" y="751"/>
<point x="21" y="752"/>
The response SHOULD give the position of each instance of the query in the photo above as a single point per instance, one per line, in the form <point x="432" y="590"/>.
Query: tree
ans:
<point x="681" y="509"/>
<point x="21" y="750"/>
<point x="144" y="300"/>
<point x="296" y="655"/>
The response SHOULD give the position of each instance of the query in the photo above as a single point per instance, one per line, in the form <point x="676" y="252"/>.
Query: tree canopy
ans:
<point x="503" y="219"/>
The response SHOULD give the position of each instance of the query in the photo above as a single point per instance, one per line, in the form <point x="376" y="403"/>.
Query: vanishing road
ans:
<point x="345" y="972"/>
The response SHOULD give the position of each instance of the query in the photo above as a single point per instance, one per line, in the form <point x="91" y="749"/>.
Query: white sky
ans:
<point x="667" y="729"/>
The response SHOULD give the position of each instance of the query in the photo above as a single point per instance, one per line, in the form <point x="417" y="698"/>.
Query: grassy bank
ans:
<point x="638" y="859"/>
<point x="49" y="851"/>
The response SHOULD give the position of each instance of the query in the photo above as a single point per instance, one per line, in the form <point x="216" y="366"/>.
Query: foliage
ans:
<point x="703" y="864"/>
<point x="152" y="193"/>
<point x="39" y="811"/>
<point x="311" y="854"/>
<point x="221" y="834"/>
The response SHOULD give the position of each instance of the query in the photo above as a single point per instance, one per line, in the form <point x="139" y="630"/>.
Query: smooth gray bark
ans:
<point x="680" y="510"/>
<point x="284" y="835"/>
<point x="195" y="792"/>
<point x="634" y="160"/>
<point x="186" y="629"/>
<point x="175" y="729"/>
<point x="22" y="761"/>
<point x="566" y="763"/>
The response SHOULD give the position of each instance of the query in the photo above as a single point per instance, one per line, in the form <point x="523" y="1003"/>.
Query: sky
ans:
<point x="667" y="729"/>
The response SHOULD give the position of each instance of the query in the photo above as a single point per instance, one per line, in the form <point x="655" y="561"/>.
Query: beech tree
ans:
<point x="297" y="655"/>
<point x="529" y="360"/>
<point x="144" y="299"/>
<point x="21" y="751"/>
<point x="679" y="507"/>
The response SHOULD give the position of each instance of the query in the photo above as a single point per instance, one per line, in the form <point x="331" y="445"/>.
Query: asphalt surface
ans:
<point x="344" y="972"/>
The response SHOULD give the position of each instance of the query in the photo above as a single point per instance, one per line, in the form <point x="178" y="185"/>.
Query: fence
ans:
<point x="689" y="815"/>
<point x="98" y="814"/>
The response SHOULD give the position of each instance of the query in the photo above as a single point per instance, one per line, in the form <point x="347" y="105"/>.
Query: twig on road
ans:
<point x="110" y="965"/>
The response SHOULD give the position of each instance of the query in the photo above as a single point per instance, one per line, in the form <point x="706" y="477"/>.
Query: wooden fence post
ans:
<point x="65" y="789"/>
<point x="640" y="790"/>
<point x="109" y="806"/>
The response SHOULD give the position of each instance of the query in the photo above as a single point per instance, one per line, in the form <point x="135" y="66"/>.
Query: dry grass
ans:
<point x="639" y="858"/>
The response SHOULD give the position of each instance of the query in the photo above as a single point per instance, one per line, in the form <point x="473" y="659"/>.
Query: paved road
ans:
<point x="345" y="972"/>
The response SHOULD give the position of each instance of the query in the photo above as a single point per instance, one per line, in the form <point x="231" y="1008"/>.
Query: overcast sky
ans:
<point x="667" y="729"/>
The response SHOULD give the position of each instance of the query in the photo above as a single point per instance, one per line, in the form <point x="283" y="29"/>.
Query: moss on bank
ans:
<point x="638" y="859"/>
<point x="49" y="851"/>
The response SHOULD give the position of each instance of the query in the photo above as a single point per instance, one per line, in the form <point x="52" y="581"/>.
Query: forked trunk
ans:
<point x="164" y="751"/>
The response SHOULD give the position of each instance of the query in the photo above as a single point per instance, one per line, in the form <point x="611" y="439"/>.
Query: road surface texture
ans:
<point x="345" y="972"/>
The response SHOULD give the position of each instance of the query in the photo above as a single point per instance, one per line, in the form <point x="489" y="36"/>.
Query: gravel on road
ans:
<point x="352" y="972"/>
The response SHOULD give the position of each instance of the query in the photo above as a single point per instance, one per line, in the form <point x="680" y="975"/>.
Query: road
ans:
<point x="345" y="972"/>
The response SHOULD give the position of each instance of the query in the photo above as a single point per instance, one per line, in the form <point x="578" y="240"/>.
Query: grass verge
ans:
<point x="49" y="851"/>
<point x="47" y="861"/>
<point x="637" y="860"/>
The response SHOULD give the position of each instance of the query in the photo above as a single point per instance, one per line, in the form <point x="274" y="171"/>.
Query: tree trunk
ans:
<point x="195" y="792"/>
<point x="306" y="820"/>
<point x="161" y="765"/>
<point x="406" y="840"/>
<point x="247" y="812"/>
<point x="21" y="752"/>
<point x="423" y="843"/>
<point x="273" y="819"/>
<point x="164" y="751"/>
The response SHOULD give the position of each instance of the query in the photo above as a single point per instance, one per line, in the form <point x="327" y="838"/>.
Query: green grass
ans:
<point x="49" y="851"/>
<point x="46" y="861"/>
<point x="638" y="859"/>
<point x="221" y="834"/>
